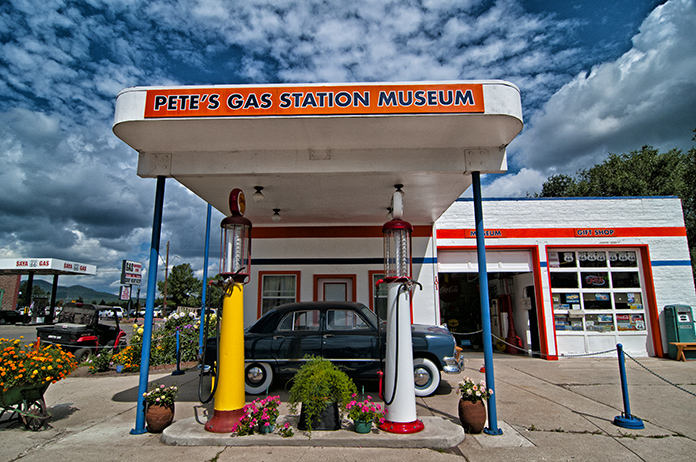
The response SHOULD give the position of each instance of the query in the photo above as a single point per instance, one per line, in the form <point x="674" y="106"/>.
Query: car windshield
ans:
<point x="78" y="315"/>
<point x="369" y="315"/>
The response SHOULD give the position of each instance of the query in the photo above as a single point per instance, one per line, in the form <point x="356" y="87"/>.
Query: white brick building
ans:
<point x="580" y="275"/>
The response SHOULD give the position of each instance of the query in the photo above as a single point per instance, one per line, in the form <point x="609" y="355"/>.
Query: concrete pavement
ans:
<point x="548" y="410"/>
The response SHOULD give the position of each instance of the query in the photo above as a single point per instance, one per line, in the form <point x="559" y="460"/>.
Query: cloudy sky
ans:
<point x="596" y="77"/>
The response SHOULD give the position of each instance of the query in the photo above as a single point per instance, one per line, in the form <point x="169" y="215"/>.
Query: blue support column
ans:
<point x="149" y="308"/>
<point x="492" y="428"/>
<point x="201" y="333"/>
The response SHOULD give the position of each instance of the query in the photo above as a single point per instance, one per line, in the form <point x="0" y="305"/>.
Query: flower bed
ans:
<point x="32" y="365"/>
<point x="163" y="345"/>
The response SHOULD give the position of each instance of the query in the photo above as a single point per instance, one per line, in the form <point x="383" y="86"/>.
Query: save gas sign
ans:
<point x="131" y="273"/>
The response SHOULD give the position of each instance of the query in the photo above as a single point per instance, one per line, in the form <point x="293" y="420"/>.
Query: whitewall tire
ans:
<point x="257" y="377"/>
<point x="426" y="376"/>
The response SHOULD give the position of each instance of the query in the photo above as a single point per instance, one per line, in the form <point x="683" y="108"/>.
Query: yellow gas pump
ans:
<point x="235" y="270"/>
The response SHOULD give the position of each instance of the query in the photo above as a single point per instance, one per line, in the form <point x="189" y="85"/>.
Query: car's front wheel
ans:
<point x="426" y="376"/>
<point x="257" y="377"/>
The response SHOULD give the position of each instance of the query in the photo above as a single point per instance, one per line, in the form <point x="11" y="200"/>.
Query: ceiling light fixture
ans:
<point x="276" y="215"/>
<point x="258" y="195"/>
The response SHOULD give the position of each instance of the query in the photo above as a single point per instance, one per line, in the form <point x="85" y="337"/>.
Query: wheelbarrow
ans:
<point x="25" y="403"/>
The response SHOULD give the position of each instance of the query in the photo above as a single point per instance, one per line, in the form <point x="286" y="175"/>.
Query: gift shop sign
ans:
<point x="315" y="100"/>
<point x="594" y="232"/>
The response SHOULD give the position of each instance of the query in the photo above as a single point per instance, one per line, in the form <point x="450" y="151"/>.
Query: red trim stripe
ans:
<point x="668" y="231"/>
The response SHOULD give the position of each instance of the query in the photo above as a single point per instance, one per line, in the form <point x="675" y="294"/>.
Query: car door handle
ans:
<point x="278" y="337"/>
<point x="328" y="335"/>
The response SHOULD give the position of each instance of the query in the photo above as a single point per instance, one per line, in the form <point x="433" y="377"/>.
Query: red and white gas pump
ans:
<point x="398" y="388"/>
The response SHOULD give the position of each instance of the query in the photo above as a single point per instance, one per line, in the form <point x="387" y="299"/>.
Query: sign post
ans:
<point x="131" y="275"/>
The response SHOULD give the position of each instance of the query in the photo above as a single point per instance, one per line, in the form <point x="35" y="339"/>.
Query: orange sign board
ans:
<point x="315" y="100"/>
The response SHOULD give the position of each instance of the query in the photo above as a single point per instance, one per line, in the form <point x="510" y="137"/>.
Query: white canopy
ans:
<point x="325" y="154"/>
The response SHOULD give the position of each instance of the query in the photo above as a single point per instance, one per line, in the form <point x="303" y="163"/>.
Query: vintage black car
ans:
<point x="10" y="317"/>
<point x="348" y="334"/>
<point x="79" y="331"/>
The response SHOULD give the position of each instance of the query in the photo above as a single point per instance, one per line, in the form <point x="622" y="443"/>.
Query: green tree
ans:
<point x="183" y="288"/>
<point x="214" y="292"/>
<point x="558" y="186"/>
<point x="643" y="172"/>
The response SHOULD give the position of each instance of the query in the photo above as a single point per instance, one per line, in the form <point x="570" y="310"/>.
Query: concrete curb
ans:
<point x="439" y="433"/>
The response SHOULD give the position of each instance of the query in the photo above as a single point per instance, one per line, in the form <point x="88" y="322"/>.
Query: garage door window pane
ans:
<point x="628" y="301"/>
<point x="625" y="280"/>
<point x="623" y="259"/>
<point x="592" y="259"/>
<point x="593" y="301"/>
<point x="595" y="280"/>
<point x="564" y="280"/>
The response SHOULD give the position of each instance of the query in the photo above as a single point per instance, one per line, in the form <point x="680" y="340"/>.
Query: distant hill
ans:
<point x="76" y="292"/>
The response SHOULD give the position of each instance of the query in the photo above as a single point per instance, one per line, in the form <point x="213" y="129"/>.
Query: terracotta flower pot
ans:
<point x="472" y="415"/>
<point x="158" y="417"/>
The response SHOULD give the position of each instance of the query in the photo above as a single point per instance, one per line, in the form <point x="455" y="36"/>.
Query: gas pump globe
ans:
<point x="235" y="261"/>
<point x="397" y="250"/>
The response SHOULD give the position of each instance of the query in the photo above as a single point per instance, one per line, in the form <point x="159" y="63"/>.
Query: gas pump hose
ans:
<point x="404" y="286"/>
<point x="201" y="371"/>
<point x="225" y="284"/>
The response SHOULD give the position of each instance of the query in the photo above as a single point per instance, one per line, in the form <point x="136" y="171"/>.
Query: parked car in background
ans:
<point x="79" y="331"/>
<point x="157" y="312"/>
<point x="107" y="312"/>
<point x="10" y="317"/>
<point x="348" y="334"/>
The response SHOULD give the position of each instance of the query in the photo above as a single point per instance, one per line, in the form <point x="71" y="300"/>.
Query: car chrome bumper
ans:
<point x="455" y="364"/>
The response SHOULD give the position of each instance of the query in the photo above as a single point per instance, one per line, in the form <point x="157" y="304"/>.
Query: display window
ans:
<point x="277" y="289"/>
<point x="597" y="291"/>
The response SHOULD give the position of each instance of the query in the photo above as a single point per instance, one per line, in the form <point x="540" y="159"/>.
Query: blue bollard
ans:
<point x="626" y="420"/>
<point x="178" y="371"/>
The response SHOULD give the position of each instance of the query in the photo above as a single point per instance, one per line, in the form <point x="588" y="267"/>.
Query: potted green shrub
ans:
<point x="323" y="391"/>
